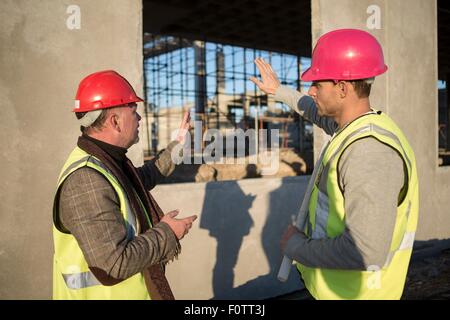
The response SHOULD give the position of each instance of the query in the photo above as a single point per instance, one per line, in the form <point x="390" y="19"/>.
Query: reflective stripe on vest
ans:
<point x="406" y="244"/>
<point x="322" y="210"/>
<point x="80" y="280"/>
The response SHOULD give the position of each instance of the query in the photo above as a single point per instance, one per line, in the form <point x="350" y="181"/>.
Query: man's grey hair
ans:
<point x="93" y="119"/>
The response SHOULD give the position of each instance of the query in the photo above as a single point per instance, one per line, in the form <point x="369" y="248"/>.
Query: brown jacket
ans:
<point x="89" y="209"/>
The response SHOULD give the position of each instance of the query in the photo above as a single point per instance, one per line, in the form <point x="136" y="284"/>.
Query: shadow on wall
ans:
<point x="284" y="204"/>
<point x="226" y="216"/>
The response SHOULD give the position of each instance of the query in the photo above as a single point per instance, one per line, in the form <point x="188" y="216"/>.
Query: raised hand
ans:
<point x="184" y="127"/>
<point x="180" y="227"/>
<point x="270" y="82"/>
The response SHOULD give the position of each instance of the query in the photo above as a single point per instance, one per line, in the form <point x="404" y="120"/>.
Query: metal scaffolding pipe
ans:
<point x="200" y="89"/>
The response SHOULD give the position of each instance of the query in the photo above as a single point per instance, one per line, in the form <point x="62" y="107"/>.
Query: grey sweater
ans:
<point x="371" y="177"/>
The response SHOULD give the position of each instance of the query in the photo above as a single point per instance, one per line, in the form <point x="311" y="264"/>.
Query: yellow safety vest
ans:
<point x="72" y="278"/>
<point x="327" y="217"/>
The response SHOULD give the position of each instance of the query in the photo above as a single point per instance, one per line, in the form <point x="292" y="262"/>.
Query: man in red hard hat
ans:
<point x="111" y="238"/>
<point x="362" y="209"/>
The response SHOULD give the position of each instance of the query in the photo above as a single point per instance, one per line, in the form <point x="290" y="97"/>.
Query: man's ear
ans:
<point x="114" y="121"/>
<point x="343" y="88"/>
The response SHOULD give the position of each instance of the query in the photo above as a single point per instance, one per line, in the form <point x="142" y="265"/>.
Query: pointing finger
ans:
<point x="193" y="218"/>
<point x="189" y="220"/>
<point x="173" y="213"/>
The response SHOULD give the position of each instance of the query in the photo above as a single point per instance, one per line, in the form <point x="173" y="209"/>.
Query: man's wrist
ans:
<point x="294" y="245"/>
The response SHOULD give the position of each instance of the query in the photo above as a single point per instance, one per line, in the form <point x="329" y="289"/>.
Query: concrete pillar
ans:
<point x="42" y="62"/>
<point x="412" y="102"/>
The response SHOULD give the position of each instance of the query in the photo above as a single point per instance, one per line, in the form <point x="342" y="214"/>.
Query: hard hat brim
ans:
<point x="137" y="99"/>
<point x="307" y="75"/>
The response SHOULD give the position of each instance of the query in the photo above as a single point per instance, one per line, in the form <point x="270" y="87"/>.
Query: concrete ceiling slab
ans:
<point x="278" y="25"/>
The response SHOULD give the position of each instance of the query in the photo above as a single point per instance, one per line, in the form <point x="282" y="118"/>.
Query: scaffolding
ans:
<point x="210" y="80"/>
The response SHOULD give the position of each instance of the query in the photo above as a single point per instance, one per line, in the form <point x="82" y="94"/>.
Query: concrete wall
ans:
<point x="407" y="92"/>
<point x="232" y="250"/>
<point x="41" y="63"/>
<point x="413" y="101"/>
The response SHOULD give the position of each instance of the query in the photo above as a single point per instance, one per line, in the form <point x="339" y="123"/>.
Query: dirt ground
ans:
<point x="429" y="279"/>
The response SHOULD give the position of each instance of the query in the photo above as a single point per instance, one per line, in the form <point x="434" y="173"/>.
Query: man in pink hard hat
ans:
<point x="111" y="239"/>
<point x="362" y="208"/>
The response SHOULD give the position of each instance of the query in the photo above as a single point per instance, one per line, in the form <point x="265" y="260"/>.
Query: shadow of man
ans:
<point x="226" y="215"/>
<point x="284" y="206"/>
<point x="284" y="203"/>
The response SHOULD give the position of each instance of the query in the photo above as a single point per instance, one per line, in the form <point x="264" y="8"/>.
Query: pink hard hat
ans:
<point x="104" y="89"/>
<point x="346" y="54"/>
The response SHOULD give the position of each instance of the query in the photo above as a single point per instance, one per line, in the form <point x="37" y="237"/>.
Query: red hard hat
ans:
<point x="346" y="54"/>
<point x="104" y="89"/>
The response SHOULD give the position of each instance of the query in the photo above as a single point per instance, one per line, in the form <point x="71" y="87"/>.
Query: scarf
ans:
<point x="128" y="177"/>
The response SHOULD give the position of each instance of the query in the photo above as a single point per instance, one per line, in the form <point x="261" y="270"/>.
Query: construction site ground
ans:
<point x="429" y="277"/>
